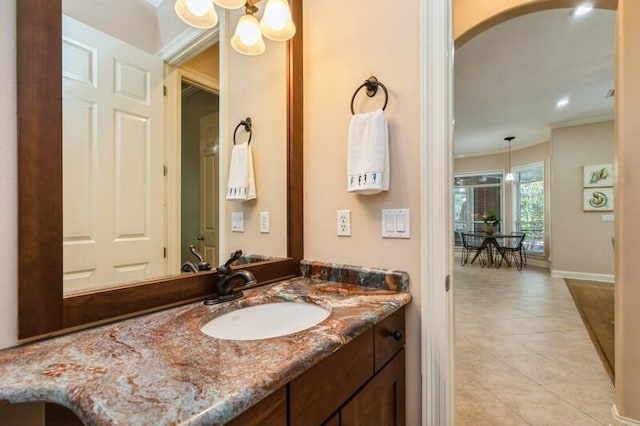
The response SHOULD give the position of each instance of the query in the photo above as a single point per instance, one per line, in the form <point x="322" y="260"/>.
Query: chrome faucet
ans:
<point x="227" y="277"/>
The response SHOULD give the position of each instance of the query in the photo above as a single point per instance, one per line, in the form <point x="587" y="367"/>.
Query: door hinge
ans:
<point x="164" y="252"/>
<point x="164" y="90"/>
<point x="447" y="283"/>
<point x="165" y="170"/>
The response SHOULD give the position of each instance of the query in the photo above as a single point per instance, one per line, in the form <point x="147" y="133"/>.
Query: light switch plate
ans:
<point x="396" y="223"/>
<point x="264" y="222"/>
<point x="237" y="221"/>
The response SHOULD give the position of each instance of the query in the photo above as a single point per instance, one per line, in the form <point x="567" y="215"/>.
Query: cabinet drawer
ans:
<point x="389" y="338"/>
<point x="321" y="390"/>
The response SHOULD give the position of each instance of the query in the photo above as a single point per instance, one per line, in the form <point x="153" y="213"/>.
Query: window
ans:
<point x="529" y="206"/>
<point x="474" y="194"/>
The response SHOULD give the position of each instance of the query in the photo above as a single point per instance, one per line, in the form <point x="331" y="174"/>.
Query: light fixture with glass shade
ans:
<point x="197" y="13"/>
<point x="509" y="176"/>
<point x="248" y="39"/>
<point x="276" y="23"/>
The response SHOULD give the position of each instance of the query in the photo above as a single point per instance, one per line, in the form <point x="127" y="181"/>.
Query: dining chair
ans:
<point x="523" y="248"/>
<point x="472" y="244"/>
<point x="511" y="248"/>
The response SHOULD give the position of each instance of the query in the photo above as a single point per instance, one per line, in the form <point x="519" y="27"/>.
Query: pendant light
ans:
<point x="509" y="176"/>
<point x="197" y="13"/>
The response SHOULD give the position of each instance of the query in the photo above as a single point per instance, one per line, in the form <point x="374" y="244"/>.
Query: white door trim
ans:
<point x="436" y="176"/>
<point x="173" y="157"/>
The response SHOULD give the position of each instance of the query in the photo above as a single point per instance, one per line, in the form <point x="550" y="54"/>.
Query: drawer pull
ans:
<point x="397" y="335"/>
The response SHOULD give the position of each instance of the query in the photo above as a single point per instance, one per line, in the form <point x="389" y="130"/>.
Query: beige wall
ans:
<point x="257" y="89"/>
<point x="580" y="241"/>
<point x="343" y="46"/>
<point x="627" y="211"/>
<point x="521" y="157"/>
<point x="206" y="62"/>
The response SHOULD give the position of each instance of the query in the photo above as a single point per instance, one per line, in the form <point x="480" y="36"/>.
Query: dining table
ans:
<point x="489" y="243"/>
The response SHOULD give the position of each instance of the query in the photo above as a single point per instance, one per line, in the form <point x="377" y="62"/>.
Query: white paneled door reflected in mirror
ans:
<point x="144" y="154"/>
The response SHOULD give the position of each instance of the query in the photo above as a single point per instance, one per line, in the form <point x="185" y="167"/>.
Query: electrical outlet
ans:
<point x="344" y="223"/>
<point x="264" y="222"/>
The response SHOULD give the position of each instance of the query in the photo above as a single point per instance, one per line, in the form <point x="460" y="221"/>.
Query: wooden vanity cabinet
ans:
<point x="360" y="384"/>
<point x="363" y="383"/>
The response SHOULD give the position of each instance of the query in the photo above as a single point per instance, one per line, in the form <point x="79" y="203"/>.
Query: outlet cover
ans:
<point x="344" y="223"/>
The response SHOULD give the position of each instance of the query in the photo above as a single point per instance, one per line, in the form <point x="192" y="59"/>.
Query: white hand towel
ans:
<point x="368" y="156"/>
<point x="241" y="184"/>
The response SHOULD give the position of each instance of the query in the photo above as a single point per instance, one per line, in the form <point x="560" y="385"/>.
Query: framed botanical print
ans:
<point x="597" y="175"/>
<point x="597" y="199"/>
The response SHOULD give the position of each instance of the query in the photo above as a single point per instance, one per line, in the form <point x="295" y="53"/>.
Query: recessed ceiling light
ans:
<point x="583" y="10"/>
<point x="562" y="103"/>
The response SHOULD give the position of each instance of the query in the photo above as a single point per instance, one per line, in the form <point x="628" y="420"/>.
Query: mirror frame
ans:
<point x="42" y="308"/>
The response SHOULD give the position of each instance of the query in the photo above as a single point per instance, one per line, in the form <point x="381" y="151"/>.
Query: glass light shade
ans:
<point x="276" y="23"/>
<point x="197" y="13"/>
<point x="230" y="4"/>
<point x="509" y="177"/>
<point x="248" y="39"/>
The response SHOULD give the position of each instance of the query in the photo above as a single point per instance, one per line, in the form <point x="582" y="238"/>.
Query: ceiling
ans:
<point x="508" y="79"/>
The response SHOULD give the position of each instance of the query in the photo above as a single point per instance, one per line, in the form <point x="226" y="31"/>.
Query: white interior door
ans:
<point x="112" y="160"/>
<point x="209" y="135"/>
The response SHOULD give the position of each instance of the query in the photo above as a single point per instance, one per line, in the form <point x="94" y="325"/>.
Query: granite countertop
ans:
<point x="161" y="369"/>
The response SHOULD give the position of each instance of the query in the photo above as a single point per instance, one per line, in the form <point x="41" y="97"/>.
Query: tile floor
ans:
<point x="523" y="356"/>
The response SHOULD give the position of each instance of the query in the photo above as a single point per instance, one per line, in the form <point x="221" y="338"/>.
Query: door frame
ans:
<point x="173" y="157"/>
<point x="436" y="178"/>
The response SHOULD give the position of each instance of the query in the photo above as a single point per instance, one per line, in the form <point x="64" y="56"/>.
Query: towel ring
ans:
<point x="372" y="85"/>
<point x="246" y="123"/>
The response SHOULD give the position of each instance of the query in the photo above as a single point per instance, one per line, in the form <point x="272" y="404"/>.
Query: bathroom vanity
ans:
<point x="162" y="369"/>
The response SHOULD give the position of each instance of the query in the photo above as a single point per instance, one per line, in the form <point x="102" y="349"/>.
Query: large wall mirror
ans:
<point x="131" y="137"/>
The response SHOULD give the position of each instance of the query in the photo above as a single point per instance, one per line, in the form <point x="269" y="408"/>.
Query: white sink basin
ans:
<point x="265" y="321"/>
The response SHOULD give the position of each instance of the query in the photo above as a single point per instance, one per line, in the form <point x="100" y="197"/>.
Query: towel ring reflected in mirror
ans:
<point x="246" y="123"/>
<point x="371" y="84"/>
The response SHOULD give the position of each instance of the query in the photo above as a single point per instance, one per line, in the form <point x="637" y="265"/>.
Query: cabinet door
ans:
<point x="270" y="411"/>
<point x="322" y="389"/>
<point x="382" y="401"/>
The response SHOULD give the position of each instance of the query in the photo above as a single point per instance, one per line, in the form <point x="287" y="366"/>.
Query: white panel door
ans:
<point x="112" y="161"/>
<point x="209" y="133"/>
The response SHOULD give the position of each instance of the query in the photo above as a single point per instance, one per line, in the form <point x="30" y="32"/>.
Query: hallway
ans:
<point x="523" y="355"/>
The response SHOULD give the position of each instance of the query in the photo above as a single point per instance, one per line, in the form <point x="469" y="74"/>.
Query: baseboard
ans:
<point x="607" y="278"/>
<point x="622" y="421"/>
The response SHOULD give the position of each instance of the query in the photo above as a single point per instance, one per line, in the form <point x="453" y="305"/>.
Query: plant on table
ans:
<point x="491" y="220"/>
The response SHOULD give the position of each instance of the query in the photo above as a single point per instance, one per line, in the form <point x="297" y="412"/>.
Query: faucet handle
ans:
<point x="234" y="256"/>
<point x="196" y="253"/>
<point x="226" y="268"/>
